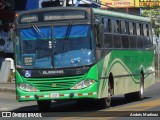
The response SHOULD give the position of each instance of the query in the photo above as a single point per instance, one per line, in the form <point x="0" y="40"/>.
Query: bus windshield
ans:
<point x="56" y="46"/>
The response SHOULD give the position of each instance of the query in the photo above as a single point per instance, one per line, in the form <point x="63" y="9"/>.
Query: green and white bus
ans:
<point x="76" y="53"/>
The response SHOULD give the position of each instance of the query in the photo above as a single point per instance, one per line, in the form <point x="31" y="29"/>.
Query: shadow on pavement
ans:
<point x="73" y="106"/>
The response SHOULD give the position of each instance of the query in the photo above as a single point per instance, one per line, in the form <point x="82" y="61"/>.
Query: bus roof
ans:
<point x="95" y="11"/>
<point x="120" y="15"/>
<point x="53" y="8"/>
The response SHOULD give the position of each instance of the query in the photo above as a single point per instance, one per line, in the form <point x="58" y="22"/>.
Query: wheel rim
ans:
<point x="141" y="88"/>
<point x="108" y="100"/>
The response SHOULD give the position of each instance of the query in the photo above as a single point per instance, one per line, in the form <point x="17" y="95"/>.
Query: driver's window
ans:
<point x="97" y="22"/>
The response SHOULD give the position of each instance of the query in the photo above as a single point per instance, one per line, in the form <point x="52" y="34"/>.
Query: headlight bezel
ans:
<point x="83" y="84"/>
<point x="27" y="87"/>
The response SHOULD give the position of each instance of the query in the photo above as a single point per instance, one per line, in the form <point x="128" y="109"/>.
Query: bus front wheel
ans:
<point x="44" y="105"/>
<point x="106" y="102"/>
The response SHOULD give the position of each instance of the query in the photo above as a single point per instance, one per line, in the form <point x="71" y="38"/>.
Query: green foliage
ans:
<point x="154" y="13"/>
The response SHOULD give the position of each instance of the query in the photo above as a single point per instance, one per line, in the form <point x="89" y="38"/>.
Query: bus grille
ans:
<point x="53" y="84"/>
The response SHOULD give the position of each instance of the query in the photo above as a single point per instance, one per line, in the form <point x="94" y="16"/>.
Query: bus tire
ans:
<point x="106" y="102"/>
<point x="139" y="95"/>
<point x="128" y="96"/>
<point x="136" y="95"/>
<point x="44" y="105"/>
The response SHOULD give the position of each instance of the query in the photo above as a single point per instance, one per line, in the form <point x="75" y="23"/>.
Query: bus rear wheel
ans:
<point x="44" y="105"/>
<point x="139" y="94"/>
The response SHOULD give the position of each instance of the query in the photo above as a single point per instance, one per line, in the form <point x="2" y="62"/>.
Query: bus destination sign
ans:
<point x="29" y="18"/>
<point x="52" y="16"/>
<point x="64" y="15"/>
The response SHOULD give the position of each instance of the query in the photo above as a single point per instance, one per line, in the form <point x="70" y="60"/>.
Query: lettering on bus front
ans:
<point x="64" y="15"/>
<point x="51" y="16"/>
<point x="29" y="18"/>
<point x="52" y="72"/>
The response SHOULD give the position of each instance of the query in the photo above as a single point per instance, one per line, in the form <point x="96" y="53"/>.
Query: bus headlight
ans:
<point x="27" y="87"/>
<point x="83" y="84"/>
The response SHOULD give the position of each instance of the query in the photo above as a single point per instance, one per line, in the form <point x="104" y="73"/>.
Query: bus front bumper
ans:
<point x="86" y="93"/>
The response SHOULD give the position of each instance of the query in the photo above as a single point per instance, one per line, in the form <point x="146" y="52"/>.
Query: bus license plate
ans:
<point x="54" y="95"/>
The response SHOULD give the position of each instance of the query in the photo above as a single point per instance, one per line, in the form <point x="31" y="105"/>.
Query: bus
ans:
<point x="79" y="53"/>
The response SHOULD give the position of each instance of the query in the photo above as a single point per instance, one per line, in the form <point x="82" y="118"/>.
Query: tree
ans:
<point x="154" y="13"/>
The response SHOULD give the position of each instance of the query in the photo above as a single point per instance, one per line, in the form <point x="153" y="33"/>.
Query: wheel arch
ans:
<point x="111" y="80"/>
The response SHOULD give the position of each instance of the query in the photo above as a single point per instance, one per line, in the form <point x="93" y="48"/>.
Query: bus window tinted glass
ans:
<point x="141" y="29"/>
<point x="116" y="26"/>
<point x="123" y="27"/>
<point x="138" y="28"/>
<point x="116" y="41"/>
<point x="108" y="41"/>
<point x="133" y="41"/>
<point x="105" y="22"/>
<point x="131" y="28"/>
<point x="125" y="42"/>
<point x="109" y="26"/>
<point x="145" y="30"/>
<point x="140" y="42"/>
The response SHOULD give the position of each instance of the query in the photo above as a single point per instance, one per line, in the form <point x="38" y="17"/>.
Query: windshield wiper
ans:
<point x="39" y="31"/>
<point x="66" y="37"/>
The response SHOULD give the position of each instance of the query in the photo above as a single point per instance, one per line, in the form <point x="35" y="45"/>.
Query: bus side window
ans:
<point x="131" y="27"/>
<point x="107" y="34"/>
<point x="97" y="22"/>
<point x="96" y="35"/>
<point x="145" y="30"/>
<point x="101" y="34"/>
<point x="141" y="29"/>
<point x="134" y="29"/>
<point x="116" y="34"/>
<point x="147" y="41"/>
<point x="132" y="35"/>
<point x="109" y="26"/>
<point x="116" y="26"/>
<point x="105" y="22"/>
<point x="123" y="27"/>
<point x="124" y="36"/>
<point x="137" y="29"/>
<point x="140" y="38"/>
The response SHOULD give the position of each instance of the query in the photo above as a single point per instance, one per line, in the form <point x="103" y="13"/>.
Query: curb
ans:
<point x="6" y="89"/>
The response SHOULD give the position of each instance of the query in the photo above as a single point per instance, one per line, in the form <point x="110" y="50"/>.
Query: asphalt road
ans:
<point x="70" y="110"/>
